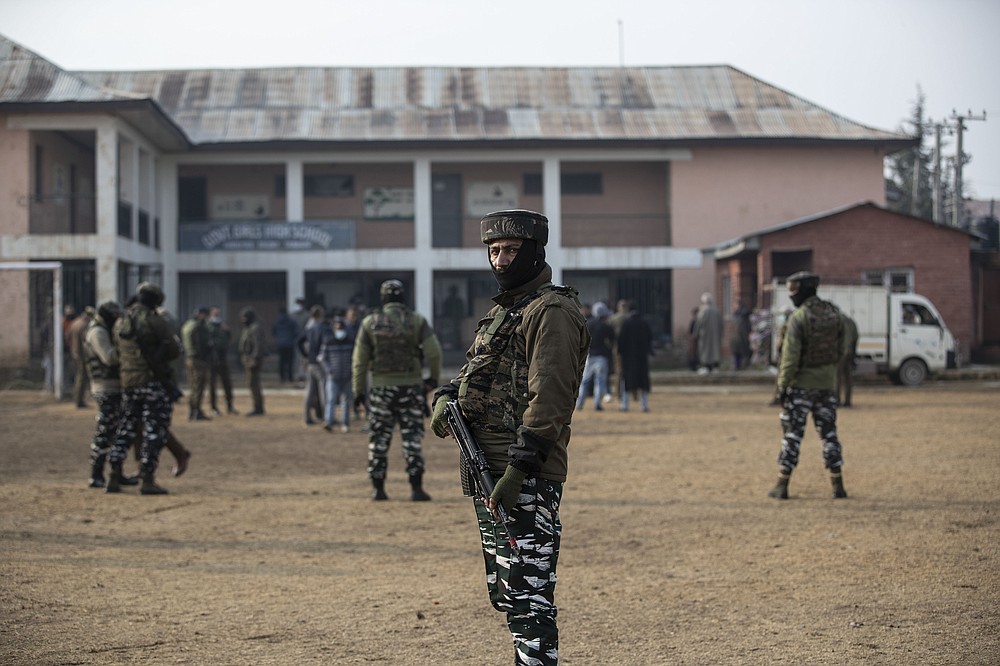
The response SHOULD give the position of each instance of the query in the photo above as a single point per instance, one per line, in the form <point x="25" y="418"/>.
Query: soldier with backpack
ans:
<point x="393" y="343"/>
<point x="812" y="347"/>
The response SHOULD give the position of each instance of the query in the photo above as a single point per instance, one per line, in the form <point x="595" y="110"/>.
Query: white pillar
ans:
<point x="167" y="203"/>
<point x="552" y="202"/>
<point x="294" y="191"/>
<point x="295" y="277"/>
<point x="423" y="278"/>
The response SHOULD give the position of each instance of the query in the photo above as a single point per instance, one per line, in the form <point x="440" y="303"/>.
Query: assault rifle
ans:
<point x="475" y="459"/>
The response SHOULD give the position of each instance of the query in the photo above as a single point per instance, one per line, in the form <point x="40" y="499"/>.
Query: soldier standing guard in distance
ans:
<point x="811" y="349"/>
<point x="197" y="341"/>
<point x="394" y="342"/>
<point x="518" y="389"/>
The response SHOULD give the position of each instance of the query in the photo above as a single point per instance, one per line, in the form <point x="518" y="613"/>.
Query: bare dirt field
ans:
<point x="269" y="550"/>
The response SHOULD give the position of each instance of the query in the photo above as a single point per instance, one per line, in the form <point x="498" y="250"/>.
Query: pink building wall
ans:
<point x="726" y="192"/>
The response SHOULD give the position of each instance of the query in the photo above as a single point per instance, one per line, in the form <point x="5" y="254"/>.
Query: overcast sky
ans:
<point x="863" y="59"/>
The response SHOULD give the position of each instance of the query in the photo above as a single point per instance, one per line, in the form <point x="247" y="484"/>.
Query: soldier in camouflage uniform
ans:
<point x="518" y="389"/>
<point x="100" y="357"/>
<point x="146" y="350"/>
<point x="393" y="343"/>
<point x="812" y="347"/>
<point x="197" y="340"/>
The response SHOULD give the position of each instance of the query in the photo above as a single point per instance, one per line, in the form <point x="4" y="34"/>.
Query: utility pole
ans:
<point x="956" y="213"/>
<point x="936" y="194"/>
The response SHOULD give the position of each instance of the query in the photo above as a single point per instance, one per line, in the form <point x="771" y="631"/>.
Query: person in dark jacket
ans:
<point x="309" y="343"/>
<point x="635" y="346"/>
<point x="335" y="353"/>
<point x="285" y="332"/>
<point x="602" y="342"/>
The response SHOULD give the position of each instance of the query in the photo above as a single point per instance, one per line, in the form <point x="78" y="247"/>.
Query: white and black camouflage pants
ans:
<point x="387" y="406"/>
<point x="524" y="588"/>
<point x="796" y="406"/>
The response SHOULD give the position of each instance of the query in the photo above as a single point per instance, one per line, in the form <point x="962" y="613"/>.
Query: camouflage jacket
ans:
<point x="522" y="374"/>
<point x="146" y="347"/>
<point x="101" y="357"/>
<point x="402" y="364"/>
<point x="794" y="369"/>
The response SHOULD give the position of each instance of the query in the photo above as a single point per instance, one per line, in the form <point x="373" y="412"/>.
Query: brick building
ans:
<point x="858" y="244"/>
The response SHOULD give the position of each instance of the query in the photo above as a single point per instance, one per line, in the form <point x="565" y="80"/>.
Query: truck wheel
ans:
<point x="912" y="372"/>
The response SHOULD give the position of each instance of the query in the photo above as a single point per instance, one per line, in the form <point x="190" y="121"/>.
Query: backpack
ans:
<point x="395" y="349"/>
<point x="821" y="346"/>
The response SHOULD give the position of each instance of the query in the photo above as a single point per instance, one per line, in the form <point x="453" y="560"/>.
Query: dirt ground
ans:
<point x="269" y="550"/>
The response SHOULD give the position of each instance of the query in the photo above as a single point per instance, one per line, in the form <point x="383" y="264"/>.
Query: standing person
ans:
<point x="845" y="368"/>
<point x="813" y="345"/>
<point x="309" y="343"/>
<point x="739" y="341"/>
<point x="394" y="343"/>
<point x="301" y="315"/>
<point x="692" y="350"/>
<point x="616" y="320"/>
<point x="708" y="327"/>
<point x="146" y="350"/>
<point x="197" y="341"/>
<point x="635" y="346"/>
<point x="76" y="333"/>
<point x="101" y="360"/>
<point x="220" y="335"/>
<point x="251" y="348"/>
<point x="595" y="372"/>
<point x="518" y="389"/>
<point x="285" y="332"/>
<point x="335" y="353"/>
<point x="68" y="317"/>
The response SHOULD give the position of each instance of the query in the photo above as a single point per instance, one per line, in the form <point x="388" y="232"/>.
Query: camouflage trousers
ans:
<point x="796" y="407"/>
<point x="146" y="410"/>
<point x="109" y="416"/>
<point x="387" y="406"/>
<point x="524" y="588"/>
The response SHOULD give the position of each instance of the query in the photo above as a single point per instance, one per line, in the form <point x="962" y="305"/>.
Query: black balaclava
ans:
<point x="527" y="265"/>
<point x="803" y="292"/>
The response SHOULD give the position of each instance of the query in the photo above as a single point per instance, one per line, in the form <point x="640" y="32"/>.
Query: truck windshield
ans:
<point x="916" y="314"/>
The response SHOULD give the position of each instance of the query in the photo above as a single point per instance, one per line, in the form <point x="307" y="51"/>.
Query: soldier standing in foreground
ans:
<point x="811" y="349"/>
<point x="394" y="342"/>
<point x="518" y="389"/>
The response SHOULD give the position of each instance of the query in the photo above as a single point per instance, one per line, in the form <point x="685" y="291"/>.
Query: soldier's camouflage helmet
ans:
<point x="802" y="280"/>
<point x="150" y="293"/>
<point x="391" y="290"/>
<point x="517" y="223"/>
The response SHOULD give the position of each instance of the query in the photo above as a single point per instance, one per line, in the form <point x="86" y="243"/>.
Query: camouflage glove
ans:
<point x="508" y="488"/>
<point x="359" y="403"/>
<point x="439" y="421"/>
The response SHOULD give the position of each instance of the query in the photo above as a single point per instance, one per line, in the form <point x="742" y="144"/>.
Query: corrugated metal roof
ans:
<point x="351" y="104"/>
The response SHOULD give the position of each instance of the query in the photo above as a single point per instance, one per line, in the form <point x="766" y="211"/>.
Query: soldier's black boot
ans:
<point x="837" y="479"/>
<point x="417" y="493"/>
<point x="114" y="481"/>
<point x="378" y="492"/>
<point x="97" y="473"/>
<point x="149" y="486"/>
<point x="780" y="490"/>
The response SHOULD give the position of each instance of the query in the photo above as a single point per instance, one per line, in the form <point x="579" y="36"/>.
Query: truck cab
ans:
<point x="918" y="340"/>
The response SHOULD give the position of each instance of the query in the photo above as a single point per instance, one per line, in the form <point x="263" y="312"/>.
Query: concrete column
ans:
<point x="552" y="201"/>
<point x="294" y="191"/>
<point x="295" y="277"/>
<point x="423" y="278"/>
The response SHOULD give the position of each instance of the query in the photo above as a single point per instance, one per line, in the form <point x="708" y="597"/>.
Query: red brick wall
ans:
<point x="847" y="244"/>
